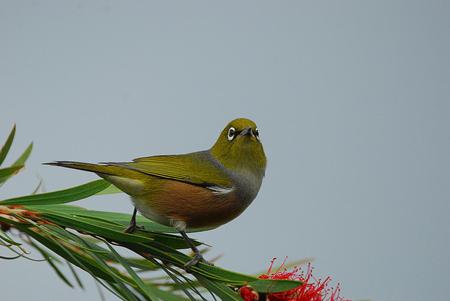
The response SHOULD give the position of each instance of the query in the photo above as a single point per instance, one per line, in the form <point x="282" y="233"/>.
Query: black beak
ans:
<point x="246" y="131"/>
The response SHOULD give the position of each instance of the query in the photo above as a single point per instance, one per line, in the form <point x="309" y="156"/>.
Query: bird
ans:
<point x="195" y="191"/>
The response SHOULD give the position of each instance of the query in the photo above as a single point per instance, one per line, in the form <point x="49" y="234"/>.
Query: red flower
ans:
<point x="248" y="294"/>
<point x="312" y="289"/>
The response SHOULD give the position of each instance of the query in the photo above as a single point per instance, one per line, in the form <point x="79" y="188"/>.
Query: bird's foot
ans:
<point x="132" y="228"/>
<point x="195" y="260"/>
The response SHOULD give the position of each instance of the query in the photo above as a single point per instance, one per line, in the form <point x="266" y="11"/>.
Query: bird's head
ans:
<point x="239" y="147"/>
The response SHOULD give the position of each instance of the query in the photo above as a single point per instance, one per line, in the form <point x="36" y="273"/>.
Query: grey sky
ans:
<point x="351" y="98"/>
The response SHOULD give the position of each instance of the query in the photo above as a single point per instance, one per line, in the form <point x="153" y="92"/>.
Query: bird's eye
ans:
<point x="256" y="133"/>
<point x="231" y="133"/>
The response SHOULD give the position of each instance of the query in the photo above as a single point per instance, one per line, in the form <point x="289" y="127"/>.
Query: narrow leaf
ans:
<point x="110" y="190"/>
<point x="23" y="158"/>
<point x="49" y="259"/>
<point x="5" y="148"/>
<point x="6" y="173"/>
<point x="221" y="290"/>
<point x="75" y="275"/>
<point x="59" y="197"/>
<point x="113" y="217"/>
<point x="148" y="290"/>
<point x="96" y="228"/>
<point x="273" y="286"/>
<point x="5" y="237"/>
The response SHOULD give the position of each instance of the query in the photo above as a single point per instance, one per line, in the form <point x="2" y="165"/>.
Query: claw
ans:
<point x="132" y="228"/>
<point x="195" y="260"/>
<point x="197" y="255"/>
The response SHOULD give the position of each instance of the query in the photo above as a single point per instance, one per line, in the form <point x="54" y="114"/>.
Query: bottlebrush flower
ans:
<point x="248" y="294"/>
<point x="312" y="289"/>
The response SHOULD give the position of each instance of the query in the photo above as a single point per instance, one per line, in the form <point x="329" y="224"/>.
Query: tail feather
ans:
<point x="101" y="169"/>
<point x="125" y="179"/>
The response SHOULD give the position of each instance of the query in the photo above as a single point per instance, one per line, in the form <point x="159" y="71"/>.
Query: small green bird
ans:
<point x="195" y="191"/>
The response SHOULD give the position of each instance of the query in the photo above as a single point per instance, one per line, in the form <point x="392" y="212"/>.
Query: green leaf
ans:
<point x="49" y="259"/>
<point x="95" y="227"/>
<point x="110" y="190"/>
<point x="92" y="264"/>
<point x="113" y="221"/>
<point x="175" y="257"/>
<point x="6" y="173"/>
<point x="75" y="275"/>
<point x="107" y="276"/>
<point x="139" y="263"/>
<point x="119" y="278"/>
<point x="5" y="148"/>
<point x="148" y="290"/>
<point x="59" y="197"/>
<point x="142" y="264"/>
<point x="273" y="286"/>
<point x="23" y="158"/>
<point x="46" y="240"/>
<point x="223" y="275"/>
<point x="122" y="219"/>
<point x="5" y="237"/>
<point x="219" y="289"/>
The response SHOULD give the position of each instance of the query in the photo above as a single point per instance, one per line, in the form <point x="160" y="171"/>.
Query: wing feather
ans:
<point x="198" y="168"/>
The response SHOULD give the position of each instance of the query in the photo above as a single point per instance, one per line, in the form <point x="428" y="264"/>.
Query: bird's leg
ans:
<point x="197" y="255"/>
<point x="132" y="226"/>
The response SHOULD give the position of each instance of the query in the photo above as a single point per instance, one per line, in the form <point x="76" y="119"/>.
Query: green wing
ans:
<point x="198" y="168"/>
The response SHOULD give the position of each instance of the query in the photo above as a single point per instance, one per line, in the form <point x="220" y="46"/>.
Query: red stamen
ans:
<point x="312" y="289"/>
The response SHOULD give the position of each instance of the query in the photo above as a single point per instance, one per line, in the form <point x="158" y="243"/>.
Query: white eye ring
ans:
<point x="231" y="133"/>
<point x="256" y="133"/>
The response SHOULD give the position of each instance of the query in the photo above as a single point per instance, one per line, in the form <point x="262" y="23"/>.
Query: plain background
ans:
<point x="351" y="98"/>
